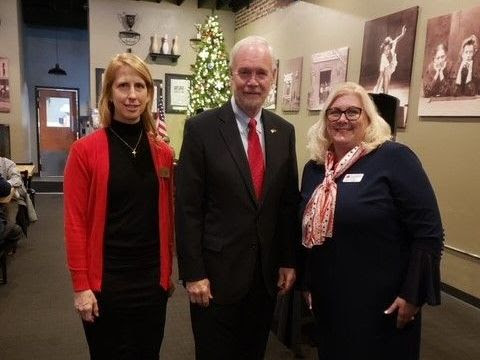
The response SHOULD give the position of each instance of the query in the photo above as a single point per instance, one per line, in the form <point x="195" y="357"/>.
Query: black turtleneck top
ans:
<point x="131" y="253"/>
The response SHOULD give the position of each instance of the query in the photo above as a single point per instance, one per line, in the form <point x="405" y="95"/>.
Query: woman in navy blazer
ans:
<point x="372" y="233"/>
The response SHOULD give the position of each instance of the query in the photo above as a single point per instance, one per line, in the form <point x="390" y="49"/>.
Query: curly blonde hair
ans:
<point x="106" y="108"/>
<point x="377" y="131"/>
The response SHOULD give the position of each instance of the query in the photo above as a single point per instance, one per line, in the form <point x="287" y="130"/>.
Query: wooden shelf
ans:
<point x="172" y="58"/>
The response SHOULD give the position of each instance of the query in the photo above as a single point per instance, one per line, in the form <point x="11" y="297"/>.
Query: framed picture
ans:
<point x="292" y="83"/>
<point x="98" y="83"/>
<point x="328" y="69"/>
<point x="157" y="95"/>
<point x="271" y="101"/>
<point x="451" y="67"/>
<point x="176" y="93"/>
<point x="387" y="57"/>
<point x="4" y="86"/>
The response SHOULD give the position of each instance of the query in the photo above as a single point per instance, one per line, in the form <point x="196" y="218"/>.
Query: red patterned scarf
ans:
<point x="317" y="223"/>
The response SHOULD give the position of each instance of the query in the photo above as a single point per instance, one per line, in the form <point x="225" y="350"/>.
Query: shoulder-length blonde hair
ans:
<point x="377" y="131"/>
<point x="106" y="108"/>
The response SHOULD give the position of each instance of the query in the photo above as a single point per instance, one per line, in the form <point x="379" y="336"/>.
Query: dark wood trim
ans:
<point x="200" y="3"/>
<point x="462" y="295"/>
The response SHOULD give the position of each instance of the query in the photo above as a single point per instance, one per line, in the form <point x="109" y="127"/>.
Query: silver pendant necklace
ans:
<point x="133" y="149"/>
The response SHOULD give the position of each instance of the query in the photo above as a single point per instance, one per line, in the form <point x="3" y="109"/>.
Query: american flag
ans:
<point x="160" y="119"/>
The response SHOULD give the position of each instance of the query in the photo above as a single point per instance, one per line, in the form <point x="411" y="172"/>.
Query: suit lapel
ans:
<point x="272" y="147"/>
<point x="229" y="130"/>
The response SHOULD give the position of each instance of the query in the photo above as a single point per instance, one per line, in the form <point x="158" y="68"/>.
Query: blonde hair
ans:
<point x="106" y="108"/>
<point x="377" y="131"/>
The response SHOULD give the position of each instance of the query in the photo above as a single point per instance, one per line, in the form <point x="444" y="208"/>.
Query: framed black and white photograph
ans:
<point x="4" y="86"/>
<point x="387" y="57"/>
<point x="176" y="93"/>
<point x="157" y="94"/>
<point x="328" y="69"/>
<point x="451" y="66"/>
<point x="292" y="83"/>
<point x="99" y="72"/>
<point x="271" y="101"/>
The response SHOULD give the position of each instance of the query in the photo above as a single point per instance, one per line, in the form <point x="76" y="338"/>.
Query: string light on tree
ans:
<point x="210" y="86"/>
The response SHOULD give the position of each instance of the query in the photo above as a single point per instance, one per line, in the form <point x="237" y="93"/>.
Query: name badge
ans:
<point x="164" y="172"/>
<point x="353" y="178"/>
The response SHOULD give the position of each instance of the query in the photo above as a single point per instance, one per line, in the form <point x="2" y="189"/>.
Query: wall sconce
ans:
<point x="128" y="37"/>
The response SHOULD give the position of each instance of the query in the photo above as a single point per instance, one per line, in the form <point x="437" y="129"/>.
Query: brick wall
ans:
<point x="256" y="10"/>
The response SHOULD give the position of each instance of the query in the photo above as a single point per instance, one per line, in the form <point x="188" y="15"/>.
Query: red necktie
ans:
<point x="255" y="158"/>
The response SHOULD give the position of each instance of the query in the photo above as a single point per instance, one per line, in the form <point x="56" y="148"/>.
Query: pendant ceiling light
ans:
<point x="57" y="70"/>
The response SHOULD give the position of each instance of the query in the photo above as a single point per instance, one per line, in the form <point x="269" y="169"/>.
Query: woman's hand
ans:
<point x="405" y="311"/>
<point x="307" y="295"/>
<point x="286" y="279"/>
<point x="86" y="305"/>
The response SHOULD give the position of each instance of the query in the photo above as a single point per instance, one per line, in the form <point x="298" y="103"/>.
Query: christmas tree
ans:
<point x="210" y="86"/>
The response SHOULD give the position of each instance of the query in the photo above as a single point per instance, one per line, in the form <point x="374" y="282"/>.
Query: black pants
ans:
<point x="127" y="334"/>
<point x="234" y="331"/>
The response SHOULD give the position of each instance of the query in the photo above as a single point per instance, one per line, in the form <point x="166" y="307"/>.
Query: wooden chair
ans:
<point x="27" y="182"/>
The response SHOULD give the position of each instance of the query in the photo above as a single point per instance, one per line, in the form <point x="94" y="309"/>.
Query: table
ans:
<point x="30" y="168"/>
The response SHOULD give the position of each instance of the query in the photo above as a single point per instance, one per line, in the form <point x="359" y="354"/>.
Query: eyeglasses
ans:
<point x="352" y="113"/>
<point x="246" y="74"/>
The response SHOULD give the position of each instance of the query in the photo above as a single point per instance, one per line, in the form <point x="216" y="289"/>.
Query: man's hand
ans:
<point x="199" y="292"/>
<point x="405" y="311"/>
<point x="286" y="279"/>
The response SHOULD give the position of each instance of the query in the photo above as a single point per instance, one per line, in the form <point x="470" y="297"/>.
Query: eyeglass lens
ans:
<point x="351" y="113"/>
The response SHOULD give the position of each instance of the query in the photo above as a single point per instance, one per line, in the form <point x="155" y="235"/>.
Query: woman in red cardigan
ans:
<point x="118" y="219"/>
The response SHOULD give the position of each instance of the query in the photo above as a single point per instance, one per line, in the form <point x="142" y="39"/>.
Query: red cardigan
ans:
<point x="85" y="202"/>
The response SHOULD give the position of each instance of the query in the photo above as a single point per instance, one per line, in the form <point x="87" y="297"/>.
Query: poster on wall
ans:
<point x="387" y="57"/>
<point x="4" y="86"/>
<point x="328" y="69"/>
<point x="271" y="100"/>
<point x="292" y="83"/>
<point x="176" y="93"/>
<point x="451" y="66"/>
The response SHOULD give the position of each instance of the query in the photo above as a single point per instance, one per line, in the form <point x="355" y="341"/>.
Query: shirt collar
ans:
<point x="243" y="118"/>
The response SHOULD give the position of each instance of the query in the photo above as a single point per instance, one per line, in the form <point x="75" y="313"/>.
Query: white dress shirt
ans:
<point x="242" y="123"/>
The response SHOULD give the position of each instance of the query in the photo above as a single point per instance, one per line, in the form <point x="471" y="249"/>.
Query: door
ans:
<point x="57" y="111"/>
